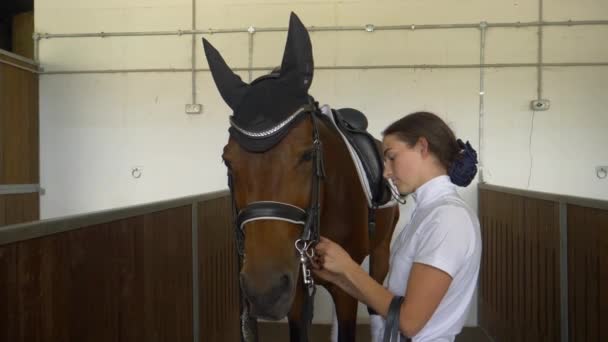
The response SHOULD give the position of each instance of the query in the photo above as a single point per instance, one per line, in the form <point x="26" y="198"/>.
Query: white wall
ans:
<point x="96" y="127"/>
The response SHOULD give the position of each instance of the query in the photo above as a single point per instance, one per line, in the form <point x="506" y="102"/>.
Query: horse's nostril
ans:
<point x="285" y="282"/>
<point x="280" y="285"/>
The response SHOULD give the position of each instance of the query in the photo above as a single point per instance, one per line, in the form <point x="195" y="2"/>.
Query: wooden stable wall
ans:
<point x="15" y="208"/>
<point x="218" y="272"/>
<point x="125" y="277"/>
<point x="519" y="280"/>
<point x="544" y="272"/>
<point x="18" y="139"/>
<point x="587" y="273"/>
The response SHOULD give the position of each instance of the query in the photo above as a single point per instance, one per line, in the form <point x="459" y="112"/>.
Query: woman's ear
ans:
<point x="423" y="146"/>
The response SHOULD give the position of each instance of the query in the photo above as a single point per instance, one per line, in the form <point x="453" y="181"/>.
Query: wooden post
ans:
<point x="23" y="29"/>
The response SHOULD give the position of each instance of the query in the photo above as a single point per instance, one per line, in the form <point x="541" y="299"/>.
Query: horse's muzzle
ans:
<point x="269" y="298"/>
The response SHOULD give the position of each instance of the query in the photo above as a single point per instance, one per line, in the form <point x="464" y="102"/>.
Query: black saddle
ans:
<point x="353" y="125"/>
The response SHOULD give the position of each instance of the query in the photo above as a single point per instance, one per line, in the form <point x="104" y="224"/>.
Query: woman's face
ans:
<point x="402" y="164"/>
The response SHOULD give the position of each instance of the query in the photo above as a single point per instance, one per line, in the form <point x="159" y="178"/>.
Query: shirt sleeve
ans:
<point x="446" y="241"/>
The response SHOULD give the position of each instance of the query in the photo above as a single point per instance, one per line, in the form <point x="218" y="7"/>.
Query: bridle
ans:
<point x="308" y="218"/>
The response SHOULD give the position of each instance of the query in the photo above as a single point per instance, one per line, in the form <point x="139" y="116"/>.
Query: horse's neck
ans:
<point x="344" y="202"/>
<point x="338" y="163"/>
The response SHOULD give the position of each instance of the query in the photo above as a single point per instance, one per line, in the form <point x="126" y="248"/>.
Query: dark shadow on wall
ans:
<point x="17" y="26"/>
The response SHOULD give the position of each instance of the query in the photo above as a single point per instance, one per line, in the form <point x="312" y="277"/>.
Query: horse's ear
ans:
<point x="297" y="58"/>
<point x="230" y="85"/>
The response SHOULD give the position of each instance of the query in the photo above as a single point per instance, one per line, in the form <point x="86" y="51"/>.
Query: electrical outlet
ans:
<point x="542" y="104"/>
<point x="194" y="108"/>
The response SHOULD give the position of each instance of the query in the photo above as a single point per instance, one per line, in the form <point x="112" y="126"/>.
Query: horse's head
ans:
<point x="271" y="160"/>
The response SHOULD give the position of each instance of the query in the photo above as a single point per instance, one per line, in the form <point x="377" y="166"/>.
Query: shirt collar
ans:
<point x="433" y="190"/>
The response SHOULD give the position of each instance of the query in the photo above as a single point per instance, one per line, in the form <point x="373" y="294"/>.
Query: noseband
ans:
<point x="309" y="218"/>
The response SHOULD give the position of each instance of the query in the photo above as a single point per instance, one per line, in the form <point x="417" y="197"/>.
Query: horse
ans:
<point x="282" y="156"/>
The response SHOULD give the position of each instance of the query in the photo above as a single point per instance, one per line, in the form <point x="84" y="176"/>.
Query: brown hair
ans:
<point x="440" y="137"/>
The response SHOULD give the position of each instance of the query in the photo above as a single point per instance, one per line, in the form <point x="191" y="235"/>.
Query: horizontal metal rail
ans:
<point x="368" y="28"/>
<point x="13" y="189"/>
<point x="580" y="201"/>
<point x="17" y="57"/>
<point x="336" y="67"/>
<point x="19" y="66"/>
<point x="31" y="230"/>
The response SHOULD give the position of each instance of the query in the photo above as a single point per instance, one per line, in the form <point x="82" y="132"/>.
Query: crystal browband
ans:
<point x="271" y="131"/>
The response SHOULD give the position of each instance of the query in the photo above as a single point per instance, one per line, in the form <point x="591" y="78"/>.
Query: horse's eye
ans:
<point x="307" y="155"/>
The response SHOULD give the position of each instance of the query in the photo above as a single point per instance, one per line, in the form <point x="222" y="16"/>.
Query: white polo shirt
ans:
<point x="444" y="233"/>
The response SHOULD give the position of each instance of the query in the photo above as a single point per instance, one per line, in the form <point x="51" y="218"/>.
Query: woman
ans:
<point x="435" y="259"/>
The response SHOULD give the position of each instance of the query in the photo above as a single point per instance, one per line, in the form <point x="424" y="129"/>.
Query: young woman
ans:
<point x="435" y="259"/>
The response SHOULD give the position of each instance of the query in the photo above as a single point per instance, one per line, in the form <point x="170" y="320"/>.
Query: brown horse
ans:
<point x="283" y="156"/>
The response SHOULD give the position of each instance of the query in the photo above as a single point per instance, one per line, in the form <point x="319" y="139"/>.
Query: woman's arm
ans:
<point x="426" y="286"/>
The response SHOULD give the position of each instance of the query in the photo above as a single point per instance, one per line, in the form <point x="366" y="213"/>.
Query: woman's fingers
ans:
<point x="330" y="255"/>
<point x="322" y="246"/>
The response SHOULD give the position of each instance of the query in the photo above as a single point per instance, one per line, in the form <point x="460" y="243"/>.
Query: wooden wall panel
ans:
<point x="19" y="208"/>
<point x="19" y="140"/>
<point x="8" y="289"/>
<point x="587" y="273"/>
<point x="19" y="153"/>
<point x="519" y="277"/>
<point x="218" y="273"/>
<point x="167" y="275"/>
<point x="127" y="280"/>
<point x="44" y="285"/>
<point x="23" y="29"/>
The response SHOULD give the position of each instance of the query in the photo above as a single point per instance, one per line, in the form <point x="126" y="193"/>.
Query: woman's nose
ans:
<point x="387" y="170"/>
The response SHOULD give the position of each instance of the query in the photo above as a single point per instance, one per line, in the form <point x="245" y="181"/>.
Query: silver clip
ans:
<point x="306" y="254"/>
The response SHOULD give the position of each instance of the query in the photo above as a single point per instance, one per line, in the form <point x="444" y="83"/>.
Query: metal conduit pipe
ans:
<point x="321" y="29"/>
<point x="251" y="31"/>
<point x="337" y="67"/>
<point x="539" y="68"/>
<point x="36" y="50"/>
<point x="482" y="91"/>
<point x="36" y="38"/>
<point x="369" y="28"/>
<point x="193" y="61"/>
<point x="195" y="264"/>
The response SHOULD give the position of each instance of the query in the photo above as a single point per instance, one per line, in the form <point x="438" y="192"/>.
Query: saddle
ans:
<point x="366" y="153"/>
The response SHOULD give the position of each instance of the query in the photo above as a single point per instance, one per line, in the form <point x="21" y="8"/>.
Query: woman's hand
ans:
<point x="333" y="264"/>
<point x="331" y="261"/>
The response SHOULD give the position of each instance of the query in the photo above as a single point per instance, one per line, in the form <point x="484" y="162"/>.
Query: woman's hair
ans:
<point x="458" y="158"/>
<point x="440" y="137"/>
